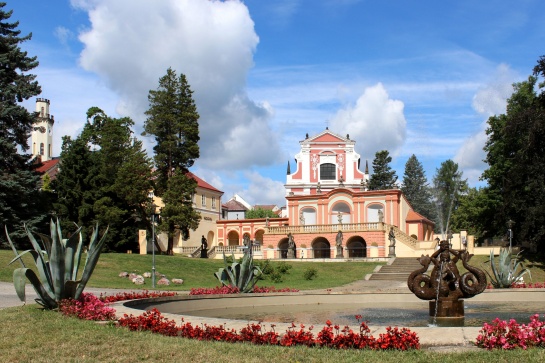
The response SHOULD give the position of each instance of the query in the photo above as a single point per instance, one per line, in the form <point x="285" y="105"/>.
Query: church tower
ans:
<point x="42" y="136"/>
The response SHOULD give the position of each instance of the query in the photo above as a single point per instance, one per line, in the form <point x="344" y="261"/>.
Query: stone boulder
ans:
<point x="138" y="280"/>
<point x="177" y="281"/>
<point x="163" y="281"/>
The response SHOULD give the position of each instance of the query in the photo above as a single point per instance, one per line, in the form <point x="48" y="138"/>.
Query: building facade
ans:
<point x="330" y="211"/>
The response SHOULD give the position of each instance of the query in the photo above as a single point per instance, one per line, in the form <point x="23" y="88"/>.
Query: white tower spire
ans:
<point x="42" y="136"/>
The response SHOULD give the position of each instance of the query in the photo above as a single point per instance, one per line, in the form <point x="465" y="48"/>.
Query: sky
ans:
<point x="412" y="77"/>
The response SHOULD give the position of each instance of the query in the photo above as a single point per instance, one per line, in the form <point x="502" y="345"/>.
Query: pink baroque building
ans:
<point x="328" y="193"/>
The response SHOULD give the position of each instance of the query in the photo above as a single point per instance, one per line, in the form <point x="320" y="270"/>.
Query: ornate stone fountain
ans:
<point x="445" y="286"/>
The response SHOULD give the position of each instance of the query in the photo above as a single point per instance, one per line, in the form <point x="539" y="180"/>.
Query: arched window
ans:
<point x="327" y="172"/>
<point x="42" y="148"/>
<point x="309" y="215"/>
<point x="373" y="213"/>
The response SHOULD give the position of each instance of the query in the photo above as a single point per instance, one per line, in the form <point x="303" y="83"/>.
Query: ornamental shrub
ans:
<point x="310" y="273"/>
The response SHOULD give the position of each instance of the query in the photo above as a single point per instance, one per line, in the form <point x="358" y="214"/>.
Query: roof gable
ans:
<point x="201" y="183"/>
<point x="327" y="136"/>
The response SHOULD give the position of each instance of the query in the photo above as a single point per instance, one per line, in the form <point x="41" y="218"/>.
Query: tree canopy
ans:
<point x="516" y="172"/>
<point x="173" y="121"/>
<point x="448" y="185"/>
<point x="383" y="176"/>
<point x="416" y="189"/>
<point x="21" y="201"/>
<point x="105" y="177"/>
<point x="260" y="213"/>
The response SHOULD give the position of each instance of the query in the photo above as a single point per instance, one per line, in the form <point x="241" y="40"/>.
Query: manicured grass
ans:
<point x="31" y="334"/>
<point x="197" y="272"/>
<point x="537" y="268"/>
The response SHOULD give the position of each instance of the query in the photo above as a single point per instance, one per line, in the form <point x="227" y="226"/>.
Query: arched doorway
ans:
<point x="210" y="239"/>
<point x="259" y="237"/>
<point x="321" y="248"/>
<point x="357" y="247"/>
<point x="283" y="248"/>
<point x="233" y="238"/>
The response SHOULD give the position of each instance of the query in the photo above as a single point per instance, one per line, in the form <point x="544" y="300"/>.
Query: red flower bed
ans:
<point x="122" y="296"/>
<point x="501" y="334"/>
<point x="523" y="285"/>
<point x="330" y="336"/>
<point x="220" y="290"/>
<point x="151" y="320"/>
<point x="88" y="307"/>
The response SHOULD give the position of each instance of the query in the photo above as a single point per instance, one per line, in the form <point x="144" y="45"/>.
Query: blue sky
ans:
<point x="411" y="77"/>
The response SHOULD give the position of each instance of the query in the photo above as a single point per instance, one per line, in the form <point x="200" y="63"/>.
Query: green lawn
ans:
<point x="34" y="335"/>
<point x="197" y="272"/>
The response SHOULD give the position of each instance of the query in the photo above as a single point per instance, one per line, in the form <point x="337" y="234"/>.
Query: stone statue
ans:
<point x="204" y="247"/>
<point x="318" y="188"/>
<point x="392" y="247"/>
<point x="247" y="243"/>
<point x="267" y="222"/>
<point x="339" y="244"/>
<point x="339" y="238"/>
<point x="291" y="246"/>
<point x="340" y="218"/>
<point x="362" y="184"/>
<point x="301" y="219"/>
<point x="392" y="237"/>
<point x="380" y="216"/>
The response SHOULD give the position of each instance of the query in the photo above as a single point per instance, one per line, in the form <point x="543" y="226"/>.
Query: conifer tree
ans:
<point x="383" y="176"/>
<point x="448" y="185"/>
<point x="173" y="121"/>
<point x="20" y="198"/>
<point x="416" y="189"/>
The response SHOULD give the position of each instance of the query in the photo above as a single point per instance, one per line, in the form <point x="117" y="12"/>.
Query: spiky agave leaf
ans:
<point x="19" y="276"/>
<point x="92" y="258"/>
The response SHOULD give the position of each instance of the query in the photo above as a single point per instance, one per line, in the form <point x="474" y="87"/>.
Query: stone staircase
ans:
<point x="398" y="270"/>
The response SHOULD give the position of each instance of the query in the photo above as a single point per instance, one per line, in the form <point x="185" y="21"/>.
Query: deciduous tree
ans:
<point x="516" y="173"/>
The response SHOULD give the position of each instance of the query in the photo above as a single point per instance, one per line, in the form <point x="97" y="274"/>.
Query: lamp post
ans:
<point x="153" y="219"/>
<point x="510" y="225"/>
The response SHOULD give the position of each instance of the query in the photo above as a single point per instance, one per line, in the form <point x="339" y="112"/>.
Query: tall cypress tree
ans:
<point x="415" y="187"/>
<point x="383" y="176"/>
<point x="20" y="198"/>
<point x="173" y="120"/>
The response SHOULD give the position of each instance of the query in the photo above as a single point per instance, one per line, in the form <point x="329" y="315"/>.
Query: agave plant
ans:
<point x="508" y="270"/>
<point x="57" y="261"/>
<point x="243" y="275"/>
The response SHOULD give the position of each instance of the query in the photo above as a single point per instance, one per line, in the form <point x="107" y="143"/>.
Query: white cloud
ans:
<point x="490" y="99"/>
<point x="63" y="34"/>
<point x="131" y="43"/>
<point x="375" y="120"/>
<point x="262" y="190"/>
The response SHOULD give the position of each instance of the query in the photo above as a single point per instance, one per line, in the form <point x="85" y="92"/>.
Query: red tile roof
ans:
<point x="412" y="216"/>
<point x="201" y="183"/>
<point x="50" y="167"/>
<point x="233" y="205"/>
